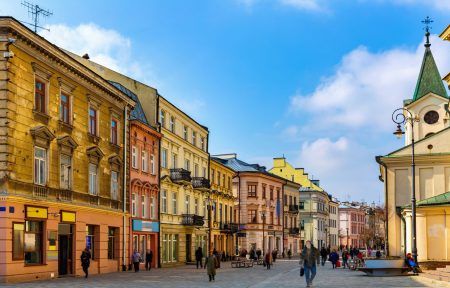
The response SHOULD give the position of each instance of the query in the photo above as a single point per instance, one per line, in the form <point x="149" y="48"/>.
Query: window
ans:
<point x="195" y="170"/>
<point x="172" y="124"/>
<point x="114" y="185"/>
<point x="111" y="243"/>
<point x="93" y="121"/>
<point x="187" y="164"/>
<point x="271" y="193"/>
<point x="174" y="203"/>
<point x="65" y="109"/>
<point x="286" y="222"/>
<point x="164" y="201"/>
<point x="271" y="218"/>
<point x="218" y="178"/>
<point x="196" y="206"/>
<point x="301" y="205"/>
<point x="144" y="160"/>
<point x="264" y="191"/>
<point x="90" y="240"/>
<point x="144" y="206"/>
<point x="40" y="96"/>
<point x="114" y="137"/>
<point x="202" y="143"/>
<point x="40" y="166"/>
<point x="285" y="200"/>
<point x="133" y="205"/>
<point x="33" y="242"/>
<point x="134" y="156"/>
<point x="174" y="160"/>
<point x="251" y="190"/>
<point x="223" y="180"/>
<point x="93" y="179"/>
<point x="66" y="171"/>
<point x="229" y="182"/>
<point x="18" y="238"/>
<point x="162" y="118"/>
<point x="212" y="176"/>
<point x="194" y="138"/>
<point x="252" y="216"/>
<point x="204" y="171"/>
<point x="185" y="132"/>
<point x="152" y="164"/>
<point x="220" y="212"/>
<point x="152" y="208"/>
<point x="290" y="200"/>
<point x="187" y="204"/>
<point x="164" y="158"/>
<point x="170" y="248"/>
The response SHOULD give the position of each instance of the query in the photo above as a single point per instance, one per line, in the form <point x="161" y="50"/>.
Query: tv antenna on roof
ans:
<point x="35" y="11"/>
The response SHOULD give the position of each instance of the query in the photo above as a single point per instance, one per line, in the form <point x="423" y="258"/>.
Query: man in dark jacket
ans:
<point x="148" y="260"/>
<point x="323" y="255"/>
<point x="199" y="257"/>
<point x="308" y="258"/>
<point x="85" y="261"/>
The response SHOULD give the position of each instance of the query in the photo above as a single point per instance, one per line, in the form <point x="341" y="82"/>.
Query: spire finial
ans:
<point x="427" y="21"/>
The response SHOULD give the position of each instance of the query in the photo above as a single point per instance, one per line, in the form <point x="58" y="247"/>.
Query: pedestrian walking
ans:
<point x="258" y="253"/>
<point x="308" y="258"/>
<point x="378" y="254"/>
<point x="268" y="259"/>
<point x="323" y="255"/>
<point x="136" y="259"/>
<point x="289" y="253"/>
<point x="199" y="257"/>
<point x="274" y="255"/>
<point x="345" y="256"/>
<point x="85" y="261"/>
<point x="148" y="260"/>
<point x="211" y="264"/>
<point x="334" y="258"/>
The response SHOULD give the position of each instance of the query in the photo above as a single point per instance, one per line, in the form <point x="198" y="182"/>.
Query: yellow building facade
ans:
<point x="63" y="143"/>
<point x="222" y="217"/>
<point x="291" y="223"/>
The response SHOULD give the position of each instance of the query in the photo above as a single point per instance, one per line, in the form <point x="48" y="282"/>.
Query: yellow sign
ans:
<point x="69" y="217"/>
<point x="37" y="212"/>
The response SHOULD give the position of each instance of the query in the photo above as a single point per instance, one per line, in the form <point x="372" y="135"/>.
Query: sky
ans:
<point x="313" y="80"/>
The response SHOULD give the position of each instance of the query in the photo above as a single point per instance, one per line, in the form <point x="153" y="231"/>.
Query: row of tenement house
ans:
<point x="92" y="158"/>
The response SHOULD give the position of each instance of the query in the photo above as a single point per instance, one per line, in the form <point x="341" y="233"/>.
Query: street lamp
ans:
<point x="209" y="205"/>
<point x="399" y="117"/>
<point x="263" y="216"/>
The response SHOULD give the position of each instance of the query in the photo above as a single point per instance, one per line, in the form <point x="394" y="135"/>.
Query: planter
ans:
<point x="384" y="263"/>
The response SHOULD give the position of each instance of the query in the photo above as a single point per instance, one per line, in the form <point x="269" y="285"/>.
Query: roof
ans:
<point x="435" y="200"/>
<point x="429" y="80"/>
<point x="137" y="113"/>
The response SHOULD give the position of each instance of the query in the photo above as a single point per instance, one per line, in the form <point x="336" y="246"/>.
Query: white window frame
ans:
<point x="133" y="205"/>
<point x="172" y="124"/>
<point x="162" y="118"/>
<point x="174" y="203"/>
<point x="152" y="207"/>
<point x="196" y="170"/>
<point x="164" y="158"/>
<point x="174" y="160"/>
<point x="187" y="164"/>
<point x="164" y="201"/>
<point x="114" y="185"/>
<point x="187" y="203"/>
<point x="144" y="206"/>
<point x="93" y="179"/>
<point x="144" y="161"/>
<point x="152" y="164"/>
<point x="194" y="138"/>
<point x="185" y="133"/>
<point x="65" y="170"/>
<point x="134" y="162"/>
<point x="196" y="206"/>
<point x="38" y="161"/>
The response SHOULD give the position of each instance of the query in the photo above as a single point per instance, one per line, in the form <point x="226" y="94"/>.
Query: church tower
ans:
<point x="429" y="104"/>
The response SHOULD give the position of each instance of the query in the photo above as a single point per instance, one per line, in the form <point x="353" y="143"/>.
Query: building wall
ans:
<point x="333" y="225"/>
<point x="291" y="218"/>
<point x="352" y="219"/>
<point x="283" y="169"/>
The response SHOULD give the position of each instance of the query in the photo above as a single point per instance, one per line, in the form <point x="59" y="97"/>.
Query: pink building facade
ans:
<point x="352" y="225"/>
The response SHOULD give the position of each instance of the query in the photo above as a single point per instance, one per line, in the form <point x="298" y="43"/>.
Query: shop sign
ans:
<point x="36" y="212"/>
<point x="145" y="226"/>
<point x="68" y="217"/>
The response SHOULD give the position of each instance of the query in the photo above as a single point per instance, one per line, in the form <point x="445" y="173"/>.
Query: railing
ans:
<point x="64" y="195"/>
<point x="40" y="191"/>
<point x="294" y="231"/>
<point x="228" y="227"/>
<point x="180" y="175"/>
<point x="200" y="183"/>
<point x="192" y="220"/>
<point x="293" y="208"/>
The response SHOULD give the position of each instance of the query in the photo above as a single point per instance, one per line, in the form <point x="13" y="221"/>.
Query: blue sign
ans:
<point x="145" y="226"/>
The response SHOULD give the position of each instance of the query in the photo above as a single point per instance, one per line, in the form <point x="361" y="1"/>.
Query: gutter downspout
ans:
<point x="158" y="128"/>
<point x="386" y="226"/>
<point x="239" y="212"/>
<point x="124" y="192"/>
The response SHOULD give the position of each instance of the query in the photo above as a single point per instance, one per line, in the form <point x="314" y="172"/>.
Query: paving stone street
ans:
<point x="285" y="273"/>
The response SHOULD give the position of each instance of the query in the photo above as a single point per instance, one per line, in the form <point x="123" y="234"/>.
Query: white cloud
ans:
<point x="290" y="132"/>
<point x="367" y="87"/>
<point x="436" y="4"/>
<point x="324" y="155"/>
<point x="311" y="5"/>
<point x="104" y="46"/>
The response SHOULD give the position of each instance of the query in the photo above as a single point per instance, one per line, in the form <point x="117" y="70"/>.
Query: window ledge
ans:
<point x="64" y="126"/>
<point x="115" y="147"/>
<point x="40" y="116"/>
<point x="33" y="265"/>
<point x="93" y="138"/>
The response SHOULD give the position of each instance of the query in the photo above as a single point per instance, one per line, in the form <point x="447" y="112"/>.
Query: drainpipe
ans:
<point x="158" y="128"/>
<point x="124" y="189"/>
<point x="386" y="201"/>
<point x="239" y="212"/>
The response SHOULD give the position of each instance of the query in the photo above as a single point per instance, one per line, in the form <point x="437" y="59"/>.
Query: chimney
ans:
<point x="86" y="56"/>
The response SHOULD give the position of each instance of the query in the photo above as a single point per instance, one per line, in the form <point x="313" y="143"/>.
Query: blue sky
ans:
<point x="314" y="80"/>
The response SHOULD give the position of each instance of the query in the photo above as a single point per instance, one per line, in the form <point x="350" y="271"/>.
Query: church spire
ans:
<point x="429" y="80"/>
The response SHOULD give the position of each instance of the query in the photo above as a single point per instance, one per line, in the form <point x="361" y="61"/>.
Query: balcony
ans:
<point x="294" y="231"/>
<point x="40" y="191"/>
<point x="200" y="183"/>
<point x="192" y="220"/>
<point x="180" y="175"/>
<point x="228" y="227"/>
<point x="293" y="208"/>
<point x="64" y="195"/>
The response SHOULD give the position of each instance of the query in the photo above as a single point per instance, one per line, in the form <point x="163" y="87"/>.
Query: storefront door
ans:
<point x="188" y="247"/>
<point x="65" y="244"/>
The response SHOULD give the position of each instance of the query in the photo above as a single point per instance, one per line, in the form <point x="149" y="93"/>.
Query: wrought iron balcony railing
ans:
<point x="294" y="231"/>
<point x="192" y="220"/>
<point x="180" y="175"/>
<point x="293" y="208"/>
<point x="200" y="183"/>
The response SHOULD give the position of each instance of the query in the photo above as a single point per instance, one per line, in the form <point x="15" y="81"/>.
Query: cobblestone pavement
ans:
<point x="285" y="273"/>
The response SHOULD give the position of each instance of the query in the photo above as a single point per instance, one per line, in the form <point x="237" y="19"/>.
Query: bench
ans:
<point x="377" y="272"/>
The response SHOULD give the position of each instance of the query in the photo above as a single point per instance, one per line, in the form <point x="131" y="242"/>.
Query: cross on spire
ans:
<point x="427" y="21"/>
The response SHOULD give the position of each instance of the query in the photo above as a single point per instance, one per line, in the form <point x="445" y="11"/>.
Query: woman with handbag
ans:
<point x="308" y="258"/>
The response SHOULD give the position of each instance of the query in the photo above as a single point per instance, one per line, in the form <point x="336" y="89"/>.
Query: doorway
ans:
<point x="65" y="244"/>
<point x="188" y="247"/>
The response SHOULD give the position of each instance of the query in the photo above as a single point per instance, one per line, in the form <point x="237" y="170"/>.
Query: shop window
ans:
<point x="170" y="248"/>
<point x="90" y="240"/>
<point x="18" y="238"/>
<point x="112" y="238"/>
<point x="33" y="242"/>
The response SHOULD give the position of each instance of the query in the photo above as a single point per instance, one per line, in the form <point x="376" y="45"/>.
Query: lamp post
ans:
<point x="263" y="216"/>
<point x="399" y="117"/>
<point x="209" y="205"/>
